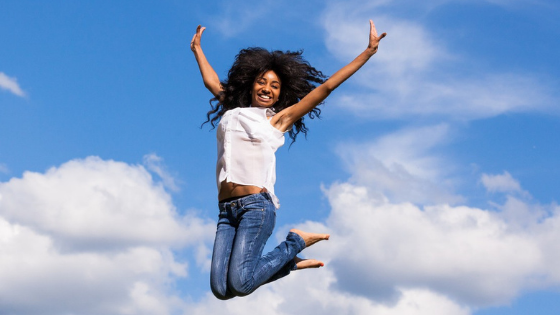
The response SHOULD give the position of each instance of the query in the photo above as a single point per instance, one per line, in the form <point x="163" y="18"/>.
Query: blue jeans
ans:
<point x="238" y="266"/>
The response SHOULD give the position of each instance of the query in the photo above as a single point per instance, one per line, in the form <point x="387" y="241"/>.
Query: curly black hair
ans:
<point x="298" y="78"/>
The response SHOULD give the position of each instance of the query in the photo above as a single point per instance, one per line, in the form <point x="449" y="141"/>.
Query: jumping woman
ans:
<point x="265" y="95"/>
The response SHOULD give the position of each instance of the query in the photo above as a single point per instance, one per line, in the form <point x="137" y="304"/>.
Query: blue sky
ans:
<point x="435" y="168"/>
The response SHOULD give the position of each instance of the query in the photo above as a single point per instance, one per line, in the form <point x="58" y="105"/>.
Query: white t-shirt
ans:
<point x="247" y="143"/>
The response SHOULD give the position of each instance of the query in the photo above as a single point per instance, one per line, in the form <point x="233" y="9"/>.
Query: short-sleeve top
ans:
<point x="247" y="144"/>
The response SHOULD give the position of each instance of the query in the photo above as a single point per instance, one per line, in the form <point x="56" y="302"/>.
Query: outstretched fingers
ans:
<point x="196" y="38"/>
<point x="373" y="37"/>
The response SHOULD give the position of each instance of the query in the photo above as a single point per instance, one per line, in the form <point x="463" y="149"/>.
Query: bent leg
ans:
<point x="251" y="269"/>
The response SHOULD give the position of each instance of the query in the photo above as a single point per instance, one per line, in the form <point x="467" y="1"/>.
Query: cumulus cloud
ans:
<point x="312" y="292"/>
<point x="155" y="164"/>
<point x="410" y="47"/>
<point x="93" y="203"/>
<point x="397" y="258"/>
<point x="103" y="233"/>
<point x="384" y="245"/>
<point x="408" y="77"/>
<point x="469" y="255"/>
<point x="500" y="183"/>
<point x="389" y="255"/>
<point x="10" y="84"/>
<point x="403" y="166"/>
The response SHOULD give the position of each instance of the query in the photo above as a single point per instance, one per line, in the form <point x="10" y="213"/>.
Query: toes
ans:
<point x="309" y="263"/>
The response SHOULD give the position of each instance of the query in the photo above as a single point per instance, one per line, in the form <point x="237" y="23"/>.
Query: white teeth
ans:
<point x="265" y="96"/>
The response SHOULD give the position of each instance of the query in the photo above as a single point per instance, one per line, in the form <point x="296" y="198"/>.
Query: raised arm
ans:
<point x="209" y="76"/>
<point x="284" y="119"/>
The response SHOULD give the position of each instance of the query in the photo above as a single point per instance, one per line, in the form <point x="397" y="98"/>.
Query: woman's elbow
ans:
<point x="328" y="88"/>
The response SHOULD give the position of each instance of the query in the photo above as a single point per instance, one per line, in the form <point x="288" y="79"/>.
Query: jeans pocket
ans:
<point x="254" y="206"/>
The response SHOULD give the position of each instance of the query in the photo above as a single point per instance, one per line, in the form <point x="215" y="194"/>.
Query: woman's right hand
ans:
<point x="195" y="42"/>
<point x="209" y="76"/>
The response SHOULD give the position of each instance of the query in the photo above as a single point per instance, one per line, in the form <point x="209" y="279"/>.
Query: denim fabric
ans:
<point x="238" y="266"/>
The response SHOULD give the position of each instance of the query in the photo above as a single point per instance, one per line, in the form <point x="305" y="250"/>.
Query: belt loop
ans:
<point x="265" y="193"/>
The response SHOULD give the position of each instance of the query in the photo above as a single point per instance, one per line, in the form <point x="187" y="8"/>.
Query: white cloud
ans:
<point x="384" y="257"/>
<point x="515" y="211"/>
<point x="396" y="258"/>
<point x="407" y="48"/>
<point x="470" y="255"/>
<point x="409" y="77"/>
<point x="37" y="278"/>
<point x="415" y="96"/>
<point x="155" y="164"/>
<point x="313" y="292"/>
<point x="383" y="245"/>
<point x="10" y="84"/>
<point x="102" y="233"/>
<point x="519" y="214"/>
<point x="387" y="255"/>
<point x="402" y="165"/>
<point x="500" y="183"/>
<point x="93" y="203"/>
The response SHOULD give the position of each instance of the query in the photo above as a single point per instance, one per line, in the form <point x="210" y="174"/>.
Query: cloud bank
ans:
<point x="92" y="237"/>
<point x="388" y="255"/>
<point x="105" y="234"/>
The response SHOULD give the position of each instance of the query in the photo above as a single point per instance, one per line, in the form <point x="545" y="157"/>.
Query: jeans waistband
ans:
<point x="239" y="202"/>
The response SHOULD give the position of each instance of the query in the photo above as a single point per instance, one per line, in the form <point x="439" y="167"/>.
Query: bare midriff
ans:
<point x="232" y="190"/>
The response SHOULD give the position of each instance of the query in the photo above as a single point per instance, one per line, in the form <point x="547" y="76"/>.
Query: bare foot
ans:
<point x="307" y="263"/>
<point x="310" y="238"/>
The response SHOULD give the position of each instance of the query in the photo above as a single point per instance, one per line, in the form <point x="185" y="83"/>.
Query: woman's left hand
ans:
<point x="195" y="42"/>
<point x="373" y="38"/>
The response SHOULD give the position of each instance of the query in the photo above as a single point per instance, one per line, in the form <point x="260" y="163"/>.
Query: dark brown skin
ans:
<point x="265" y="92"/>
<point x="271" y="87"/>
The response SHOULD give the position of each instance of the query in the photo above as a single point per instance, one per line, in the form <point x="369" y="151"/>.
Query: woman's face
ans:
<point x="266" y="90"/>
